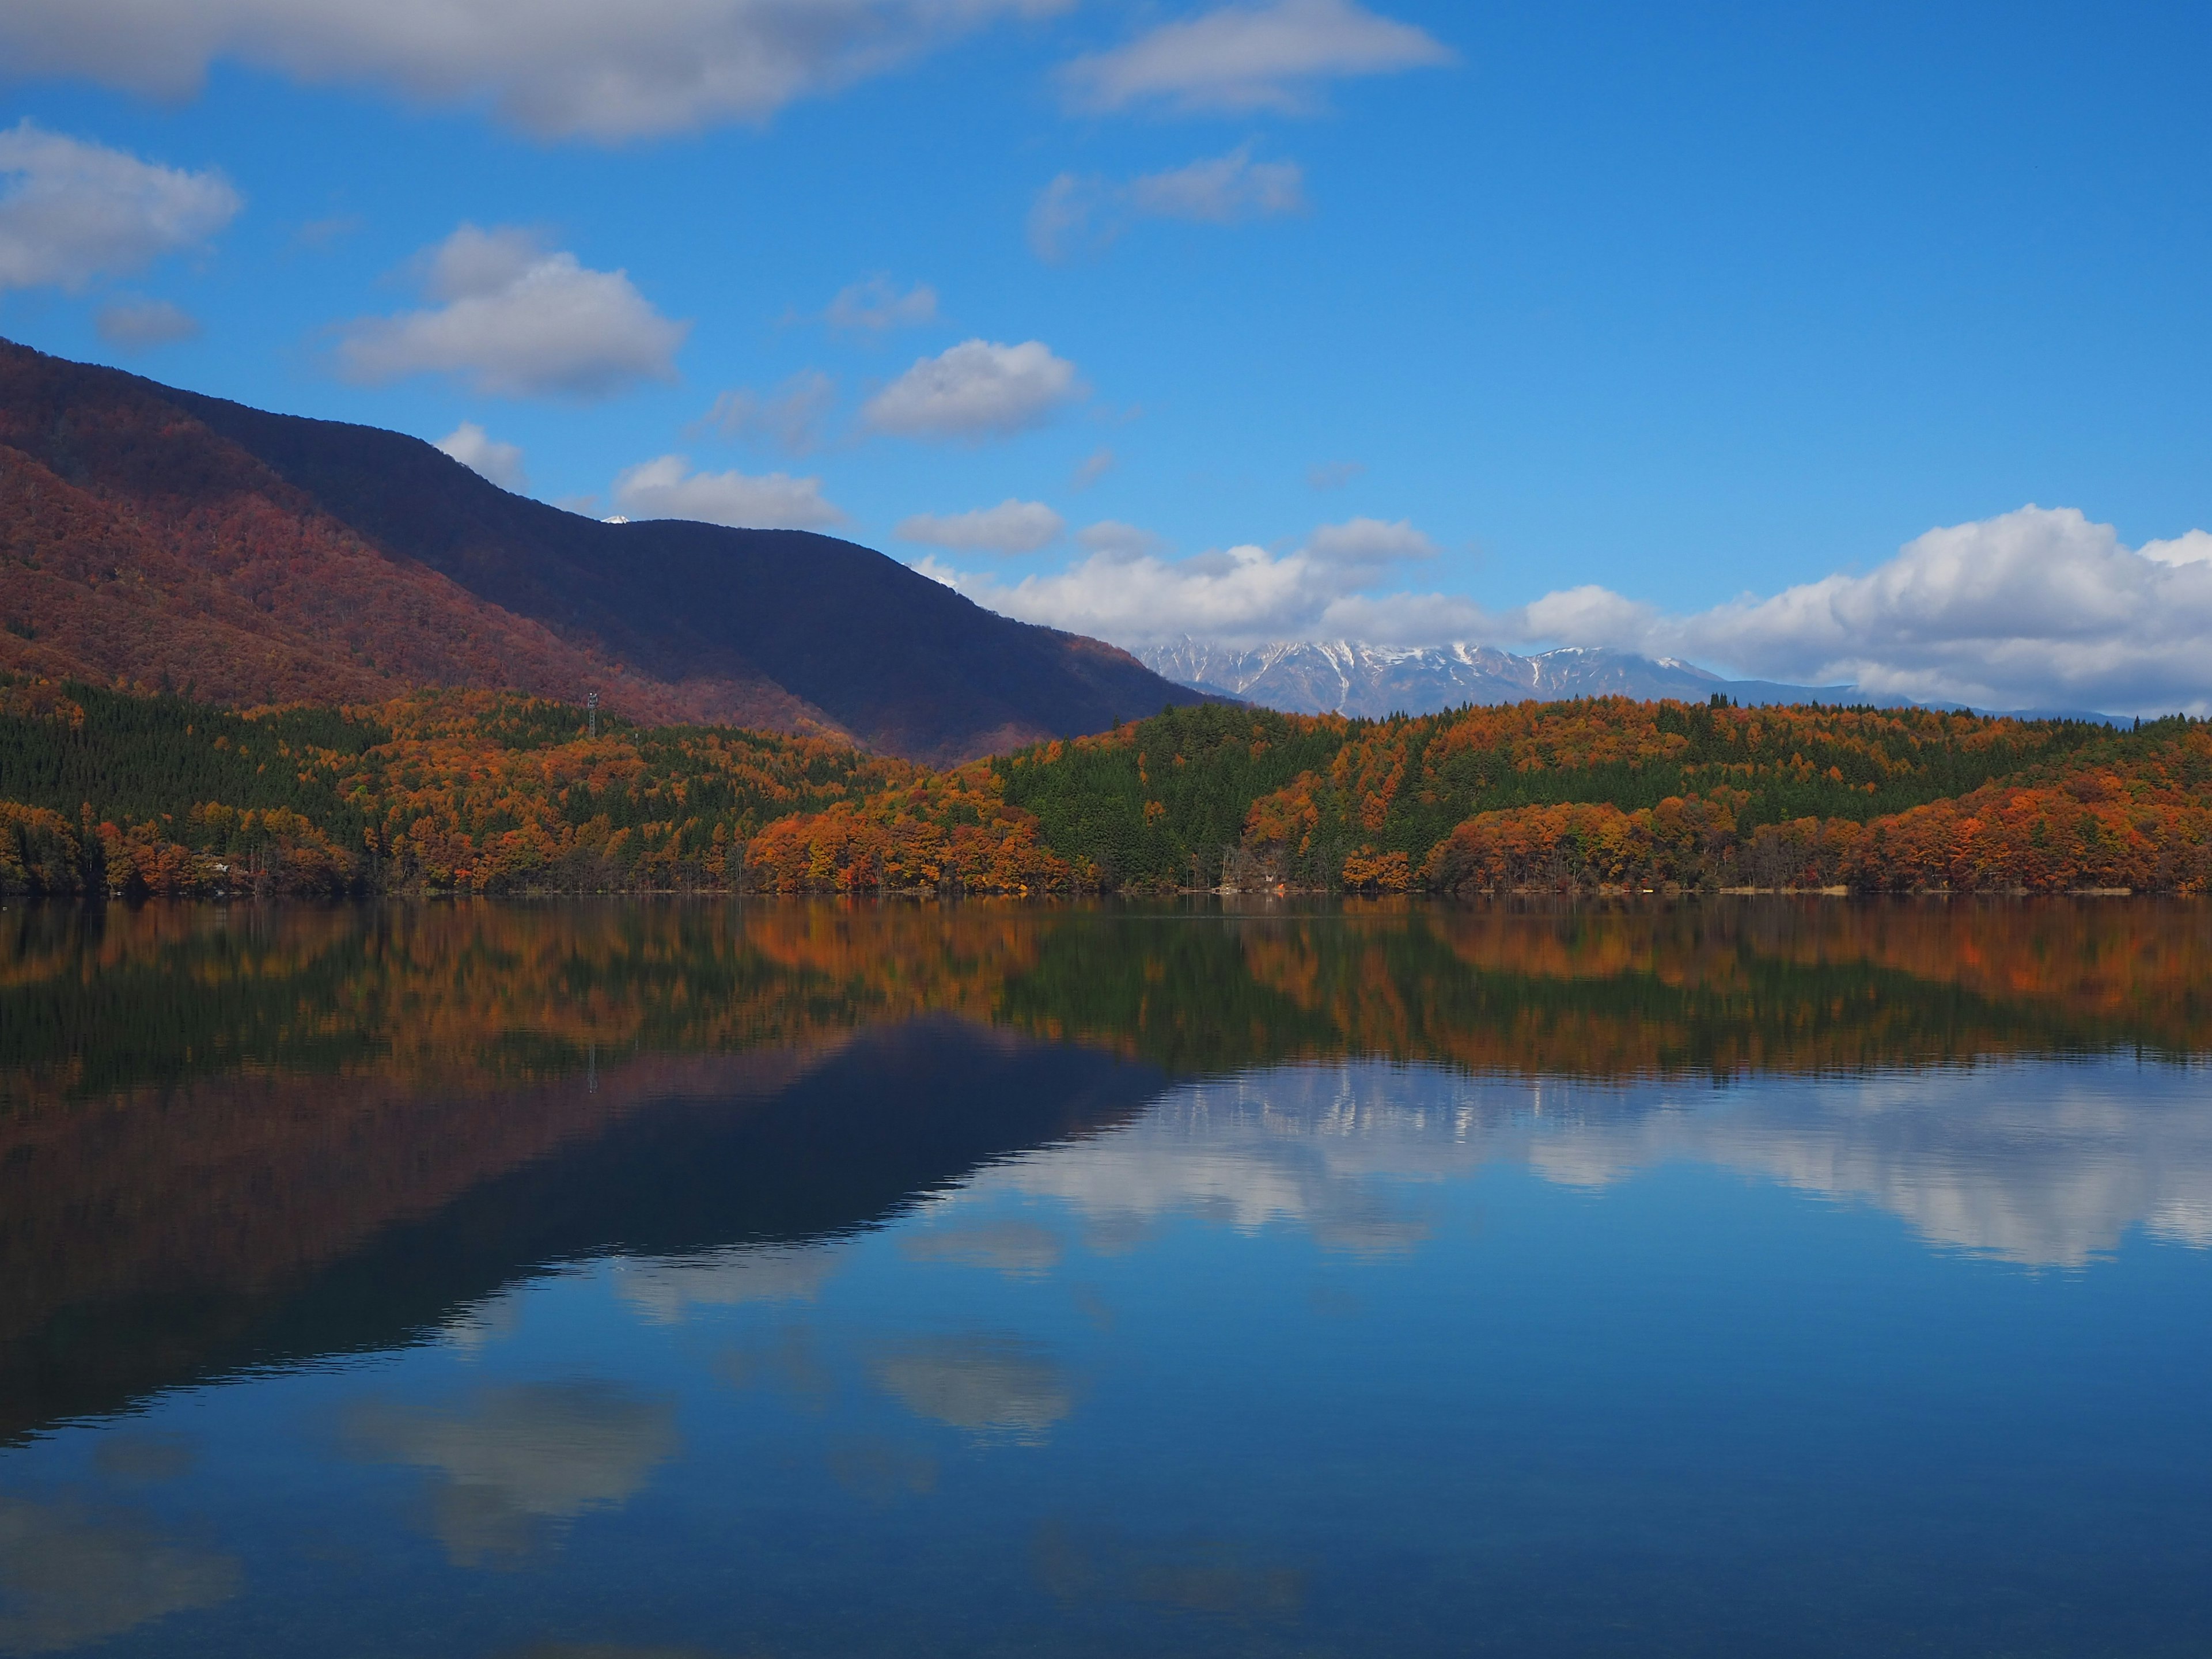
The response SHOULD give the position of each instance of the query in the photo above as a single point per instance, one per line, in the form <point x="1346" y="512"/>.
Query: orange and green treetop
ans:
<point x="482" y="792"/>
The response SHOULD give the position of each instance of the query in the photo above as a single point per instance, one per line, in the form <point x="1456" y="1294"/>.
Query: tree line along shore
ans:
<point x="131" y="792"/>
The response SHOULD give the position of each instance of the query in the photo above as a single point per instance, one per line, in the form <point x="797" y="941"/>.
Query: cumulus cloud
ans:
<point x="668" y="489"/>
<point x="1123" y="540"/>
<point x="517" y="320"/>
<point x="790" y="417"/>
<point x="1012" y="526"/>
<point x="1126" y="590"/>
<point x="1076" y="214"/>
<point x="2037" y="608"/>
<point x="1249" y="57"/>
<point x="975" y="389"/>
<point x="71" y="211"/>
<point x="555" y="69"/>
<point x="138" y="325"/>
<point x="478" y="450"/>
<point x="876" y="305"/>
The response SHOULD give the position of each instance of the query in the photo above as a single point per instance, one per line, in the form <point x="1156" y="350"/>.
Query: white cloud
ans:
<point x="790" y="417"/>
<point x="478" y="450"/>
<point x="1358" y="542"/>
<point x="875" y="306"/>
<point x="556" y="68"/>
<point x="1085" y="213"/>
<point x="518" y="321"/>
<point x="1093" y="467"/>
<point x="1127" y="593"/>
<point x="1012" y="526"/>
<point x="2194" y="547"/>
<point x="1250" y="58"/>
<point x="2037" y="608"/>
<point x="973" y="390"/>
<point x="667" y="489"/>
<point x="71" y="211"/>
<point x="141" y="324"/>
<point x="1333" y="475"/>
<point x="1123" y="540"/>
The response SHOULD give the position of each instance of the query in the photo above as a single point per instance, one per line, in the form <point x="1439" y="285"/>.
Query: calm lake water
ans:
<point x="600" y="1280"/>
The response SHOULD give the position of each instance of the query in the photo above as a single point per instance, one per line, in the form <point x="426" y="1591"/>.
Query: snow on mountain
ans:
<point x="1348" y="677"/>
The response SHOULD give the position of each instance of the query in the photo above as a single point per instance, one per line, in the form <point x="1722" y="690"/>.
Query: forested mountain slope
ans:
<point x="157" y="536"/>
<point x="477" y="792"/>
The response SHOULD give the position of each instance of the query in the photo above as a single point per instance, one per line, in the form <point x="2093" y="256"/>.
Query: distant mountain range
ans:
<point x="1343" y="677"/>
<point x="153" y="536"/>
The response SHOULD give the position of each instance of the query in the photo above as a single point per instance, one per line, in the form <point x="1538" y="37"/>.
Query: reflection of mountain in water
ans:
<point x="255" y="1136"/>
<point x="230" y="1262"/>
<point x="2041" y="1164"/>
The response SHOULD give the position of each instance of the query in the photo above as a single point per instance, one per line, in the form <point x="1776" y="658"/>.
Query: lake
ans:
<point x="757" y="1279"/>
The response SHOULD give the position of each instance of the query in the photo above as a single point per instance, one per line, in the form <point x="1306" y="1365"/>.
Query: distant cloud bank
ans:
<point x="2037" y="608"/>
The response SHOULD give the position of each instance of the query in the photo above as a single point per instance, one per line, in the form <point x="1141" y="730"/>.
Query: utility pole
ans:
<point x="591" y="708"/>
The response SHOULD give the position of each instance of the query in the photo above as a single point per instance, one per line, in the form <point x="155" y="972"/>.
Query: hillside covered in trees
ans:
<point x="479" y="792"/>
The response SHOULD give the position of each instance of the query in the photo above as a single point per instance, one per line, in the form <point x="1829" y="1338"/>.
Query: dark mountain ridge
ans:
<point x="153" y="535"/>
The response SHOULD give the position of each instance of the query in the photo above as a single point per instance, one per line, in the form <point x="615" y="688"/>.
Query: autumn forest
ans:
<point x="133" y="792"/>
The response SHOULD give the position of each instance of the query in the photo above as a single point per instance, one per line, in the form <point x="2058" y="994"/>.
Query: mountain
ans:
<point x="1348" y="677"/>
<point x="154" y="536"/>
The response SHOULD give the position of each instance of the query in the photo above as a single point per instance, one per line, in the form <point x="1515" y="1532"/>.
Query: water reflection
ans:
<point x="71" y="1574"/>
<point x="812" y="1279"/>
<point x="2041" y="1166"/>
<point x="993" y="1385"/>
<point x="514" y="1464"/>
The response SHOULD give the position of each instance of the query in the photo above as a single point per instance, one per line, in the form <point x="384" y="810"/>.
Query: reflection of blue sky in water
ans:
<point x="1333" y="1360"/>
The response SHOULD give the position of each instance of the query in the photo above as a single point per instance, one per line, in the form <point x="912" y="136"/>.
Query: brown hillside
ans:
<point x="152" y="535"/>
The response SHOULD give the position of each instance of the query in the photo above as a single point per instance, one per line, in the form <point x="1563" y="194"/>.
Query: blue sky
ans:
<point x="1537" y="325"/>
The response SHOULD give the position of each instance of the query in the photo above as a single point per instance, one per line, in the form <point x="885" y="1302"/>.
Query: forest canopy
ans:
<point x="450" y="791"/>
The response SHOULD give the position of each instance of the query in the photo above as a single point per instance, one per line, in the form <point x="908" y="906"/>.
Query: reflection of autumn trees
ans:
<point x="479" y="996"/>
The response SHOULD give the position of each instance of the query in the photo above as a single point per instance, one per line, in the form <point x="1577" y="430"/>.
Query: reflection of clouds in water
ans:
<point x="136" y="1455"/>
<point x="664" y="1291"/>
<point x="69" y="1576"/>
<point x="882" y="1471"/>
<point x="598" y="1650"/>
<point x="788" y="1360"/>
<point x="1019" y="1249"/>
<point x="519" y="1459"/>
<point x="995" y="1387"/>
<point x="2044" y="1163"/>
<point x="476" y="1327"/>
<point x="1328" y="1149"/>
<point x="1203" y="1577"/>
